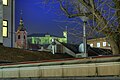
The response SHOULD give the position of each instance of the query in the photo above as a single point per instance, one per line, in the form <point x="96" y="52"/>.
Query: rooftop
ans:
<point x="43" y="35"/>
<point x="90" y="50"/>
<point x="19" y="55"/>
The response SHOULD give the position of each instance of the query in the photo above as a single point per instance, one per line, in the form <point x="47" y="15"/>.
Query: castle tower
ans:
<point x="65" y="34"/>
<point x="21" y="36"/>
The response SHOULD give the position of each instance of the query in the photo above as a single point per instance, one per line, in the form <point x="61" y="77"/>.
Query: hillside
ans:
<point x="19" y="55"/>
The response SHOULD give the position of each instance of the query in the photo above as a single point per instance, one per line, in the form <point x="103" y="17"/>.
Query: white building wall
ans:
<point x="9" y="14"/>
<point x="1" y="19"/>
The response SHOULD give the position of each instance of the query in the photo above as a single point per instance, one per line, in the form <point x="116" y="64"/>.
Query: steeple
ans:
<point x="21" y="22"/>
<point x="21" y="25"/>
<point x="21" y="35"/>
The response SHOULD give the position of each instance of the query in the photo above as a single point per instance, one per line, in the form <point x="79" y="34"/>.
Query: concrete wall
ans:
<point x="51" y="71"/>
<point x="29" y="72"/>
<point x="1" y="19"/>
<point x="10" y="72"/>
<point x="71" y="70"/>
<point x="79" y="70"/>
<point x="108" y="69"/>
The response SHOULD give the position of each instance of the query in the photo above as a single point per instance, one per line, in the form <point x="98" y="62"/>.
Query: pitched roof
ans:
<point x="43" y="35"/>
<point x="90" y="50"/>
<point x="100" y="51"/>
<point x="72" y="47"/>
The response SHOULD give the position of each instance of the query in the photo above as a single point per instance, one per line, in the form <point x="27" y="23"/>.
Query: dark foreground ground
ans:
<point x="13" y="55"/>
<point x="69" y="78"/>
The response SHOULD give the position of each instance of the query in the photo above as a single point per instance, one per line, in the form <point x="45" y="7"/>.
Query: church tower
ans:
<point x="21" y="36"/>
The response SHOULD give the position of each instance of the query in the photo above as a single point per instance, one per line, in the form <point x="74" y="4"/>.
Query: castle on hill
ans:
<point x="25" y="41"/>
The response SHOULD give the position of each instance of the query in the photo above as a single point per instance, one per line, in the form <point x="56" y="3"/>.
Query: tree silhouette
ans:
<point x="104" y="17"/>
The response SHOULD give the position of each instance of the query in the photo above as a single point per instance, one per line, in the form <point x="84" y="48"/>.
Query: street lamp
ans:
<point x="84" y="19"/>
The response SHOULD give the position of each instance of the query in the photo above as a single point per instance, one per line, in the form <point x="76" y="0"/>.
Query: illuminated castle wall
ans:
<point x="42" y="39"/>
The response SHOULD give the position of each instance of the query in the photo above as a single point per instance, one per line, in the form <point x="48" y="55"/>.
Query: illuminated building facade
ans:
<point x="43" y="39"/>
<point x="7" y="19"/>
<point x="99" y="43"/>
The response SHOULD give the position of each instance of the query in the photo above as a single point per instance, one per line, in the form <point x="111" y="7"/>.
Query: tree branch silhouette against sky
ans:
<point x="39" y="17"/>
<point x="55" y="14"/>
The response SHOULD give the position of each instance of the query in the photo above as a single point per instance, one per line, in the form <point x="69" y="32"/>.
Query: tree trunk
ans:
<point x="115" y="46"/>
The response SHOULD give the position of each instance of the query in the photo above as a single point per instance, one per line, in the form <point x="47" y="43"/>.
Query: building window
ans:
<point x="91" y="45"/>
<point x="5" y="28"/>
<point x="5" y="23"/>
<point x="24" y="36"/>
<point x="5" y="2"/>
<point x="104" y="43"/>
<point x="18" y="36"/>
<point x="98" y="44"/>
<point x="5" y="31"/>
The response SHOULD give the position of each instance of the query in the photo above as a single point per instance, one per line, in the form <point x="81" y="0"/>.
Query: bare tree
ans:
<point x="104" y="17"/>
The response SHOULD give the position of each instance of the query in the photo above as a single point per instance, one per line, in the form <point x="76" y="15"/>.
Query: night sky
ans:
<point x="41" y="18"/>
<point x="38" y="18"/>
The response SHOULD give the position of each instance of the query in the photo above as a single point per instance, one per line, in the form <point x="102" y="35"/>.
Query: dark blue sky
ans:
<point x="41" y="18"/>
<point x="38" y="18"/>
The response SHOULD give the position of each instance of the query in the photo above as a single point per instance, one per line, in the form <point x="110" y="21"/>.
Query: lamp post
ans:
<point x="84" y="19"/>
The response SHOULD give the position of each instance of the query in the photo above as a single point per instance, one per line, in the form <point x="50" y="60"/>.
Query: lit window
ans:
<point x="4" y="31"/>
<point x="98" y="44"/>
<point x="5" y="2"/>
<point x="104" y="43"/>
<point x="91" y="45"/>
<point x="5" y="28"/>
<point x="4" y="23"/>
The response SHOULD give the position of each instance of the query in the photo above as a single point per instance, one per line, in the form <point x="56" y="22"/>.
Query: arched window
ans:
<point x="24" y="36"/>
<point x="18" y="36"/>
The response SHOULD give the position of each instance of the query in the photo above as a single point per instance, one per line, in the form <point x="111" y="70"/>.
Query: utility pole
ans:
<point x="84" y="38"/>
<point x="84" y="19"/>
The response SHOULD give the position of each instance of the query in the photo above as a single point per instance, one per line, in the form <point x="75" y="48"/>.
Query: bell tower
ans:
<point x="21" y="36"/>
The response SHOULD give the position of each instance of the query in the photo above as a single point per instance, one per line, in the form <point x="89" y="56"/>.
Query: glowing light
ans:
<point x="4" y="31"/>
<point x="4" y="23"/>
<point x="5" y="2"/>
